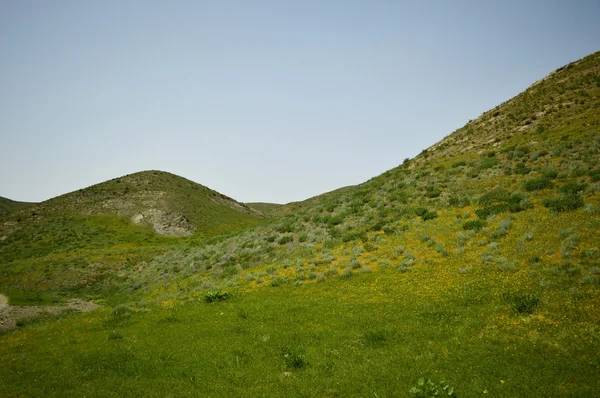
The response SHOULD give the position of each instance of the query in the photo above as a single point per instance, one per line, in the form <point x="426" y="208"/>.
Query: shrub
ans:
<point x="293" y="358"/>
<point x="521" y="169"/>
<point x="419" y="211"/>
<point x="564" y="203"/>
<point x="474" y="225"/>
<point x="350" y="236"/>
<point x="522" y="303"/>
<point x="122" y="310"/>
<point x="285" y="239"/>
<point x="537" y="184"/>
<point x="374" y="338"/>
<point x="215" y="295"/>
<point x="550" y="173"/>
<point x="114" y="335"/>
<point x="502" y="230"/>
<point x="429" y="215"/>
<point x="488" y="163"/>
<point x="426" y="388"/>
<point x="528" y="236"/>
<point x="384" y="263"/>
<point x="433" y="192"/>
<point x="572" y="188"/>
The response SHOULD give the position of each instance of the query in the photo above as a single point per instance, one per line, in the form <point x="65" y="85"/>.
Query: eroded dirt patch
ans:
<point x="10" y="315"/>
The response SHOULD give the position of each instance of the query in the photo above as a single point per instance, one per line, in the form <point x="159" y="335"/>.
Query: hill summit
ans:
<point x="170" y="204"/>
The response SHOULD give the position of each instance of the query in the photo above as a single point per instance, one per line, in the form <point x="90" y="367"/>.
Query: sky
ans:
<point x="269" y="101"/>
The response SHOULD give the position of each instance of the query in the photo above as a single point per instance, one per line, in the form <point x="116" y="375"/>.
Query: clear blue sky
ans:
<point x="261" y="100"/>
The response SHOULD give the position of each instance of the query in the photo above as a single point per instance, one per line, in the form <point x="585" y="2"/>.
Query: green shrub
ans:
<point x="285" y="239"/>
<point x="374" y="338"/>
<point x="521" y="169"/>
<point x="215" y="295"/>
<point x="350" y="236"/>
<point x="595" y="175"/>
<point x="429" y="215"/>
<point x="293" y="358"/>
<point x="433" y="192"/>
<point x="550" y="173"/>
<point x="564" y="203"/>
<point x="419" y="211"/>
<point x="537" y="184"/>
<point x="114" y="335"/>
<point x="488" y="163"/>
<point x="522" y="303"/>
<point x="474" y="225"/>
<point x="122" y="310"/>
<point x="426" y="388"/>
<point x="572" y="188"/>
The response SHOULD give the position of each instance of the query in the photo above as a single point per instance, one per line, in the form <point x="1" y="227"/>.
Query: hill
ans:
<point x="8" y="206"/>
<point x="117" y="221"/>
<point x="476" y="262"/>
<point x="264" y="208"/>
<point x="170" y="204"/>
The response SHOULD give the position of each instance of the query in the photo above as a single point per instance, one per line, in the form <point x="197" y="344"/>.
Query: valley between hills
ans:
<point x="473" y="268"/>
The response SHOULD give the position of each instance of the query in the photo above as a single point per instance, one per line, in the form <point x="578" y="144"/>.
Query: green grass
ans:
<point x="344" y="337"/>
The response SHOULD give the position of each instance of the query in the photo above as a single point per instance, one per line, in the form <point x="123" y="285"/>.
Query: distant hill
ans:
<point x="170" y="204"/>
<point x="133" y="214"/>
<point x="264" y="208"/>
<point x="8" y="206"/>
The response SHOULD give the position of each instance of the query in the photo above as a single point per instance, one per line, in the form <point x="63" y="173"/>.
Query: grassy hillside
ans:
<point x="8" y="206"/>
<point x="264" y="208"/>
<point x="84" y="237"/>
<point x="476" y="263"/>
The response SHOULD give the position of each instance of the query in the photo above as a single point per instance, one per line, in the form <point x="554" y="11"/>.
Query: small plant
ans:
<point x="285" y="239"/>
<point x="122" y="311"/>
<point x="114" y="335"/>
<point x="475" y="225"/>
<point x="522" y="303"/>
<point x="374" y="338"/>
<point x="429" y="215"/>
<point x="293" y="358"/>
<point x="537" y="184"/>
<point x="426" y="388"/>
<point x="215" y="295"/>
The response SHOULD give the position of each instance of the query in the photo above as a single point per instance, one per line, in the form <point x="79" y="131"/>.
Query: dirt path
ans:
<point x="11" y="314"/>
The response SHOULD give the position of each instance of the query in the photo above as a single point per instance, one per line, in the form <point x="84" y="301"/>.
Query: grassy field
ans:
<point x="371" y="334"/>
<point x="476" y="264"/>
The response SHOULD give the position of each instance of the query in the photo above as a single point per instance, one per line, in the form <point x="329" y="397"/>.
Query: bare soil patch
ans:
<point x="10" y="315"/>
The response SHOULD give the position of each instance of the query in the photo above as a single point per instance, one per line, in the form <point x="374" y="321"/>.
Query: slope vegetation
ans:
<point x="8" y="206"/>
<point x="74" y="239"/>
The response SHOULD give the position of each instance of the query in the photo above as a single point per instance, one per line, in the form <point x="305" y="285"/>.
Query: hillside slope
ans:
<point x="170" y="204"/>
<point x="8" y="206"/>
<point x="80" y="236"/>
